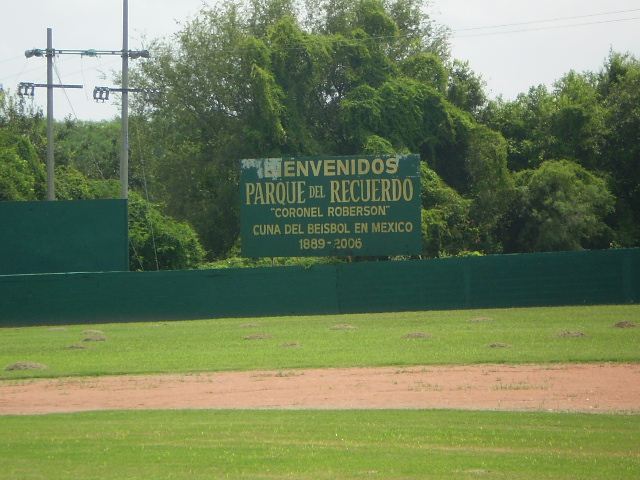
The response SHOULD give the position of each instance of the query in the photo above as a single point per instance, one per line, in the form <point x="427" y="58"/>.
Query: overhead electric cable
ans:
<point x="550" y="20"/>
<point x="55" y="68"/>
<point x="545" y="28"/>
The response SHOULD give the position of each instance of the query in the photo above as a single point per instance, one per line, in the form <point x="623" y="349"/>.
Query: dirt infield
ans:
<point x="594" y="388"/>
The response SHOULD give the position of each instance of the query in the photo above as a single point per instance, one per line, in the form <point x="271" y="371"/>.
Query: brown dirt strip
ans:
<point x="596" y="388"/>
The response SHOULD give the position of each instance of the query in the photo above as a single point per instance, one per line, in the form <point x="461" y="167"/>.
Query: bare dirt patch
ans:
<point x="625" y="324"/>
<point x="259" y="336"/>
<point x="596" y="388"/>
<point x="570" y="335"/>
<point x="418" y="335"/>
<point x="96" y="338"/>
<point x="26" y="366"/>
<point x="481" y="319"/>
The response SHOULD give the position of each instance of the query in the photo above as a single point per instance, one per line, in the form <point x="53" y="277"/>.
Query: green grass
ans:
<point x="388" y="444"/>
<point x="376" y="340"/>
<point x="266" y="444"/>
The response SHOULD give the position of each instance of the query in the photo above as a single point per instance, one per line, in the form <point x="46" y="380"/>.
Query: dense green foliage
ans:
<point x="551" y="170"/>
<point x="22" y="175"/>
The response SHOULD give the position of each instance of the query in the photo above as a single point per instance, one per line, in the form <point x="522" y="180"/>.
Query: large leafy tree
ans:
<point x="620" y="85"/>
<point x="447" y="226"/>
<point x="560" y="206"/>
<point x="93" y="148"/>
<point x="592" y="119"/>
<point x="245" y="80"/>
<point x="22" y="118"/>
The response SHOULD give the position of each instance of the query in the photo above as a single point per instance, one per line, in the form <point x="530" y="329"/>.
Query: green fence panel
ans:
<point x="66" y="236"/>
<point x="401" y="286"/>
<point x="501" y="281"/>
<point x="61" y="299"/>
<point x="548" y="279"/>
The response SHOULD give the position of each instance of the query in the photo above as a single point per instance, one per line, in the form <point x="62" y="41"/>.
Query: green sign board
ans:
<point x="330" y="206"/>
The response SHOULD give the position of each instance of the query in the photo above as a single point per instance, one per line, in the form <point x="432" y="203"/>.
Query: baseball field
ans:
<point x="508" y="393"/>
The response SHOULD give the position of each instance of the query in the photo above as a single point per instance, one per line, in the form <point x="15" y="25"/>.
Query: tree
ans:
<point x="490" y="185"/>
<point x="524" y="123"/>
<point x="93" y="148"/>
<point x="246" y="80"/>
<point x="26" y="120"/>
<point x="157" y="242"/>
<point x="466" y="88"/>
<point x="560" y="206"/>
<point x="592" y="119"/>
<point x="22" y="175"/>
<point x="577" y="124"/>
<point x="620" y="82"/>
<point x="447" y="228"/>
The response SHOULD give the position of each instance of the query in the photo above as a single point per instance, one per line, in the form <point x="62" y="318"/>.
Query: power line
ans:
<point x="550" y="20"/>
<point x="547" y="28"/>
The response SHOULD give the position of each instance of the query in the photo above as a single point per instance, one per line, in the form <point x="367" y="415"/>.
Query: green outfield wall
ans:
<point x="63" y="236"/>
<point x="500" y="281"/>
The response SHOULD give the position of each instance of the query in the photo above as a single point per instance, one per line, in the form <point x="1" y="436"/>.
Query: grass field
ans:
<point x="407" y="444"/>
<point x="533" y="335"/>
<point x="387" y="444"/>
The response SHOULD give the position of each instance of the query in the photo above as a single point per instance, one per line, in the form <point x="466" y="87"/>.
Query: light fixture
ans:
<point x="34" y="52"/>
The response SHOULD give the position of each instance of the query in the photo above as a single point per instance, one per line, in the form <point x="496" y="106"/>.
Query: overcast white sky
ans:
<point x="539" y="41"/>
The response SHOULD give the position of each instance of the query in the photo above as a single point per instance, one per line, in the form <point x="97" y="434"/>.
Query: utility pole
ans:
<point x="50" y="166"/>
<point x="102" y="93"/>
<point x="124" y="134"/>
<point x="27" y="89"/>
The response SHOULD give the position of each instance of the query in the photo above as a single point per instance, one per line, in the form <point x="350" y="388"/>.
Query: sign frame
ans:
<point x="330" y="206"/>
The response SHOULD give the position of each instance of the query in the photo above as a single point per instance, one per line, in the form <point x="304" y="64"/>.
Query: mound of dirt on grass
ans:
<point x="258" y="336"/>
<point x="625" y="324"/>
<point x="96" y="338"/>
<point x="571" y="335"/>
<point x="498" y="345"/>
<point x="418" y="335"/>
<point x="343" y="327"/>
<point x="291" y="344"/>
<point x="26" y="366"/>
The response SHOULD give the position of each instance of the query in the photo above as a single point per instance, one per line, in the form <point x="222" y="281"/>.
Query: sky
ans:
<point x="511" y="44"/>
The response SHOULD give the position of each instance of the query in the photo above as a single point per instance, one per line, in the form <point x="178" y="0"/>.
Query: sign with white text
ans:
<point x="330" y="206"/>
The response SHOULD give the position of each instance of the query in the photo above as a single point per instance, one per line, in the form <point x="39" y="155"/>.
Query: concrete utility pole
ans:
<point x="102" y="94"/>
<point x="27" y="89"/>
<point x="124" y="134"/>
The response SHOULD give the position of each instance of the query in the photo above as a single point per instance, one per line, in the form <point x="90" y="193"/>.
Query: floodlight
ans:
<point x="34" y="52"/>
